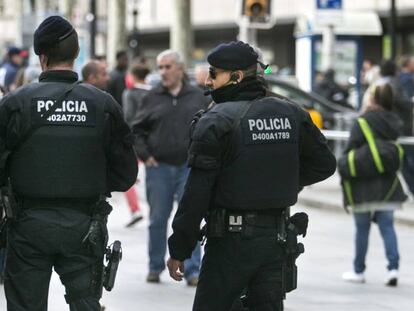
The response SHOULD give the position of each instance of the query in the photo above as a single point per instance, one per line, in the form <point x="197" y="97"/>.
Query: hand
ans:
<point x="300" y="220"/>
<point x="176" y="269"/>
<point x="151" y="162"/>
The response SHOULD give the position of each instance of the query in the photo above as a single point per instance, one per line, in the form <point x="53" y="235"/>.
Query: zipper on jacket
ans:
<point x="174" y="101"/>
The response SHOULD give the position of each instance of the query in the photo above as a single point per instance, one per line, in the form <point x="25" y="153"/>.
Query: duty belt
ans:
<point x="248" y="223"/>
<point x="236" y="221"/>
<point x="85" y="205"/>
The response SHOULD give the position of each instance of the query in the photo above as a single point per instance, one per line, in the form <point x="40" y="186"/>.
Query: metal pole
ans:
<point x="328" y="43"/>
<point x="182" y="36"/>
<point x="116" y="29"/>
<point x="92" y="28"/>
<point x="247" y="34"/>
<point x="392" y="25"/>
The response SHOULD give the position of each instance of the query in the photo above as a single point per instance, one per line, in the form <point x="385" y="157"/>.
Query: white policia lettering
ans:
<point x="66" y="106"/>
<point x="269" y="124"/>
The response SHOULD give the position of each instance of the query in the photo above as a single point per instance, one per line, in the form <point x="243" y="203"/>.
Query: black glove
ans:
<point x="300" y="221"/>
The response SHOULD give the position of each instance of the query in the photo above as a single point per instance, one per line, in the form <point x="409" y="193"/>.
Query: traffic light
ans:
<point x="256" y="9"/>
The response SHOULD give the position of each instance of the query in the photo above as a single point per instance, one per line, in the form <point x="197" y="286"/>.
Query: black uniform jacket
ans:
<point x="276" y="151"/>
<point x="163" y="121"/>
<point x="19" y="109"/>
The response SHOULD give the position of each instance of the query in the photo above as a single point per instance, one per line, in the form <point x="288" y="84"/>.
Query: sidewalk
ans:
<point x="328" y="195"/>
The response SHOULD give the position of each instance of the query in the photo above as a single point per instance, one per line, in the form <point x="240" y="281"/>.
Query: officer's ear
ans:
<point x="237" y="76"/>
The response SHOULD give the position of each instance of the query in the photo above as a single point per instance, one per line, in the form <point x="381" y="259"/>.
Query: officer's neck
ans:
<point x="58" y="67"/>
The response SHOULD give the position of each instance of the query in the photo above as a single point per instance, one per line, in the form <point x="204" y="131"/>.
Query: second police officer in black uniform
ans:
<point x="63" y="146"/>
<point x="249" y="157"/>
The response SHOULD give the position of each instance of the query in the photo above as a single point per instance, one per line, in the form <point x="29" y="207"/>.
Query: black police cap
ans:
<point x="233" y="56"/>
<point x="50" y="32"/>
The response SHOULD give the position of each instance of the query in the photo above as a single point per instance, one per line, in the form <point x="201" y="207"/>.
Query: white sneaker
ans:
<point x="392" y="278"/>
<point x="353" y="277"/>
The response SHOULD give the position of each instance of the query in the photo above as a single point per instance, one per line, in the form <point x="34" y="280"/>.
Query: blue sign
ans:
<point x="329" y="4"/>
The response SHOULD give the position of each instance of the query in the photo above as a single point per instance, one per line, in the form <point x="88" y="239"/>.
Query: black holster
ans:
<point x="9" y="210"/>
<point x="8" y="202"/>
<point x="216" y="223"/>
<point x="113" y="257"/>
<point x="293" y="249"/>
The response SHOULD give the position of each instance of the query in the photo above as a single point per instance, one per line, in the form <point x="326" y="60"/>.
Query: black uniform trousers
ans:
<point x="45" y="238"/>
<point x="234" y="263"/>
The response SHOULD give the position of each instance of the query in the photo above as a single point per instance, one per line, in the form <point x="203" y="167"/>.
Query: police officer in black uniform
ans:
<point x="64" y="146"/>
<point x="249" y="157"/>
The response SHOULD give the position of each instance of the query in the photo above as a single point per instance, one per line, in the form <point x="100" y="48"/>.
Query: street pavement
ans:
<point x="329" y="251"/>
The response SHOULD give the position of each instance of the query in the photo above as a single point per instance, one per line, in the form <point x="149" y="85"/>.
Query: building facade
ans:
<point x="214" y="21"/>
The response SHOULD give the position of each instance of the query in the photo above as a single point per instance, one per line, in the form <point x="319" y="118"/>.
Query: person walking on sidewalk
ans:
<point x="162" y="139"/>
<point x="370" y="182"/>
<point x="132" y="101"/>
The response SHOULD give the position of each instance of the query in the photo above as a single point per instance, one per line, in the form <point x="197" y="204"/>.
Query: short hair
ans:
<point x="121" y="54"/>
<point x="405" y="60"/>
<point x="140" y="71"/>
<point x="383" y="96"/>
<point x="65" y="51"/>
<point x="171" y="54"/>
<point x="388" y="68"/>
<point x="250" y="71"/>
<point x="90" y="69"/>
<point x="100" y="57"/>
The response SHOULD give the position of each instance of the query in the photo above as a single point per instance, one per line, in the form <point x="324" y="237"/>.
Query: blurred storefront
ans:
<point x="214" y="21"/>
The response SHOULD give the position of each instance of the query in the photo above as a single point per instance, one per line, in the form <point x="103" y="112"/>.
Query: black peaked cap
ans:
<point x="233" y="56"/>
<point x="50" y="32"/>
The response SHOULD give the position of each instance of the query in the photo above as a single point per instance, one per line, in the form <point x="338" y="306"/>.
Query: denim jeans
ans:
<point x="385" y="221"/>
<point x="164" y="184"/>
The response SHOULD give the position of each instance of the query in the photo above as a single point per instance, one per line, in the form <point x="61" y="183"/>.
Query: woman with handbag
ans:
<point x="370" y="183"/>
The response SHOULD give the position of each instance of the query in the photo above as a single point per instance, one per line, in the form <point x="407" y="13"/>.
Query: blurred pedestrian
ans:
<point x="370" y="73"/>
<point x="331" y="90"/>
<point x="201" y="75"/>
<point x="403" y="107"/>
<point x="28" y="75"/>
<point x="132" y="98"/>
<point x="162" y="139"/>
<point x="94" y="72"/>
<point x="372" y="187"/>
<point x="132" y="101"/>
<point x="246" y="171"/>
<point x="406" y="75"/>
<point x="10" y="68"/>
<point x="117" y="82"/>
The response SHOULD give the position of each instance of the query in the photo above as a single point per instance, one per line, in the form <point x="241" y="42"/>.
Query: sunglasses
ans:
<point x="213" y="72"/>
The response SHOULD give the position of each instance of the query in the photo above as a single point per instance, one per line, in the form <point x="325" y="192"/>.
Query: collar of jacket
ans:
<point x="186" y="88"/>
<point x="66" y="76"/>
